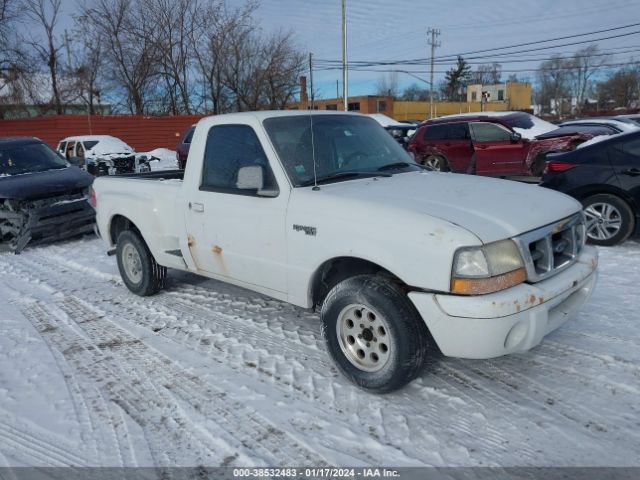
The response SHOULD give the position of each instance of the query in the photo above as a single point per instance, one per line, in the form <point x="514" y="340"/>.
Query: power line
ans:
<point x="422" y="61"/>
<point x="550" y="40"/>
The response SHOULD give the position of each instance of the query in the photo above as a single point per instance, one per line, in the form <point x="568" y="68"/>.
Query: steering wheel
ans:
<point x="353" y="157"/>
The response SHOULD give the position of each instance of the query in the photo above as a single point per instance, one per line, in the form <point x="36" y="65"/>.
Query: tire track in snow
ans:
<point x="309" y="375"/>
<point x="163" y="419"/>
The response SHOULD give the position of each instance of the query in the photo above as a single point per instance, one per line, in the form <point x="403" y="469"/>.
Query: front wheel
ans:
<point x="436" y="163"/>
<point x="374" y="333"/>
<point x="138" y="269"/>
<point x="610" y="220"/>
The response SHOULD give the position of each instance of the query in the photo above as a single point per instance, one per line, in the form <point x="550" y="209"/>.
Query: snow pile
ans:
<point x="540" y="127"/>
<point x="167" y="159"/>
<point x="596" y="139"/>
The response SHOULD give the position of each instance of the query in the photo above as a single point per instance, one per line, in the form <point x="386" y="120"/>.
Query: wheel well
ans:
<point x="333" y="271"/>
<point x="120" y="223"/>
<point x="581" y="194"/>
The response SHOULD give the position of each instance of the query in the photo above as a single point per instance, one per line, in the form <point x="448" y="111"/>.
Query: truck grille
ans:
<point x="550" y="249"/>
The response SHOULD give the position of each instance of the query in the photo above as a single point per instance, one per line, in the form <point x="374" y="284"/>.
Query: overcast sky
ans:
<point x="396" y="30"/>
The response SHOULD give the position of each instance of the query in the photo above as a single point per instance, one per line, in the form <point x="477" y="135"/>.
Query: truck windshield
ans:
<point x="28" y="158"/>
<point x="341" y="144"/>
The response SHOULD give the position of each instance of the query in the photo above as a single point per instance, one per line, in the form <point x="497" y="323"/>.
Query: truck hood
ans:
<point x="491" y="209"/>
<point x="44" y="184"/>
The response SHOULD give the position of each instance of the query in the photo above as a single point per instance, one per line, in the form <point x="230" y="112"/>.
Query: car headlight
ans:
<point x="487" y="269"/>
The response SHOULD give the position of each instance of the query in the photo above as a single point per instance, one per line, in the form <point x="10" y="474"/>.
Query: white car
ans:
<point x="103" y="155"/>
<point x="618" y="126"/>
<point x="326" y="210"/>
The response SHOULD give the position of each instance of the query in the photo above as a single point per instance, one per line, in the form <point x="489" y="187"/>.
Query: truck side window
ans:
<point x="228" y="149"/>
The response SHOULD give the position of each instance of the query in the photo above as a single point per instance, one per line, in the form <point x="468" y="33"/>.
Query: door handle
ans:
<point x="482" y="147"/>
<point x="632" y="172"/>
<point x="196" y="207"/>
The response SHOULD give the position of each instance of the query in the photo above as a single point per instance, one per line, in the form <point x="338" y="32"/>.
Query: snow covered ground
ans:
<point x="209" y="374"/>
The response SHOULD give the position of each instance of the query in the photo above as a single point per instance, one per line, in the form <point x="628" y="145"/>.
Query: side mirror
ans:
<point x="516" y="137"/>
<point x="77" y="161"/>
<point x="252" y="178"/>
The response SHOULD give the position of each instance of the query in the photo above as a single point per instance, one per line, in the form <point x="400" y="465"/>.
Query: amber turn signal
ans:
<point x="481" y="286"/>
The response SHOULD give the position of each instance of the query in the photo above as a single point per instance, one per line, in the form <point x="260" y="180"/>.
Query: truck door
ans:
<point x="236" y="231"/>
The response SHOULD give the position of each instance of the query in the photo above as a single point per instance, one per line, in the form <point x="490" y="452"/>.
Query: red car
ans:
<point x="182" y="149"/>
<point x="492" y="143"/>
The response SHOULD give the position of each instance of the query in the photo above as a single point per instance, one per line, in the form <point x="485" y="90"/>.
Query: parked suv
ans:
<point x="182" y="149"/>
<point x="491" y="143"/>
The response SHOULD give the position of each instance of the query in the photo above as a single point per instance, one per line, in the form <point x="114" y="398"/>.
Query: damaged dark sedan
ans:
<point x="42" y="197"/>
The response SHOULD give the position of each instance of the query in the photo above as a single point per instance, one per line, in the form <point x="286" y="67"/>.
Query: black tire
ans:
<point x="151" y="275"/>
<point x="437" y="163"/>
<point x="538" y="165"/>
<point x="408" y="334"/>
<point x="623" y="213"/>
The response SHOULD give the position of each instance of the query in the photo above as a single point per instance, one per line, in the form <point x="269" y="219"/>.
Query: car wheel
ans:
<point x="436" y="163"/>
<point x="138" y="269"/>
<point x="610" y="220"/>
<point x="538" y="165"/>
<point x="374" y="333"/>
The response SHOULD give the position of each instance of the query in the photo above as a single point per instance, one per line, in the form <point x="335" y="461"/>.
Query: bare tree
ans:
<point x="387" y="85"/>
<point x="584" y="64"/>
<point x="488" y="74"/>
<point x="130" y="48"/>
<point x="415" y="93"/>
<point x="87" y="64"/>
<point x="174" y="35"/>
<point x="621" y="89"/>
<point x="262" y="72"/>
<point x="554" y="83"/>
<point x="217" y="30"/>
<point x="46" y="14"/>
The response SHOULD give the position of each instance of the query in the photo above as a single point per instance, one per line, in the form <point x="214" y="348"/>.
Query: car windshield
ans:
<point x="88" y="145"/>
<point x="29" y="158"/>
<point x="344" y="147"/>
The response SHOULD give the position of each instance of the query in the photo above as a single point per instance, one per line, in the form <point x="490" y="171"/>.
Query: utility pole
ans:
<point x="345" y="76"/>
<point x="432" y="35"/>
<point x="311" y="80"/>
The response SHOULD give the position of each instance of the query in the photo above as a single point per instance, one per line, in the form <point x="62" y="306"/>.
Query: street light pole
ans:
<point x="345" y="75"/>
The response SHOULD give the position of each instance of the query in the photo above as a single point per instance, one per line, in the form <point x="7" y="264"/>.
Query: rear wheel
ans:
<point x="374" y="333"/>
<point x="138" y="269"/>
<point x="436" y="163"/>
<point x="610" y="220"/>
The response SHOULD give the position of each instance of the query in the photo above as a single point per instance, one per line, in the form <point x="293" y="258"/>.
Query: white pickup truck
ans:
<point x="326" y="210"/>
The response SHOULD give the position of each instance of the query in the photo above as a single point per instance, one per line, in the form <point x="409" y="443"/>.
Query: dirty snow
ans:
<point x="167" y="159"/>
<point x="209" y="374"/>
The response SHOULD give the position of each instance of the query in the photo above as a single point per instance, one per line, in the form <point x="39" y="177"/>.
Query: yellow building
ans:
<point x="497" y="98"/>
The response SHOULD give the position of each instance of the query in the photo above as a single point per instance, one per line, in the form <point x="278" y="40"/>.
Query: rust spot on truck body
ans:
<point x="190" y="240"/>
<point x="216" y="250"/>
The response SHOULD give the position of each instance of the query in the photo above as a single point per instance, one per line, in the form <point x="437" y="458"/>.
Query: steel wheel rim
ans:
<point x="364" y="337"/>
<point x="604" y="221"/>
<point x="132" y="263"/>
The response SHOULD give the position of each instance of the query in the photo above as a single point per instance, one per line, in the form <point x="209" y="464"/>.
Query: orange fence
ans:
<point x="142" y="133"/>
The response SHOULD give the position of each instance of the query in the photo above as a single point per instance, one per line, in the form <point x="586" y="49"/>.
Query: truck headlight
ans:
<point x="487" y="269"/>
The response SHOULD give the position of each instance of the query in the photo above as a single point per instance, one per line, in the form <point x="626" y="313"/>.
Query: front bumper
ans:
<point x="510" y="321"/>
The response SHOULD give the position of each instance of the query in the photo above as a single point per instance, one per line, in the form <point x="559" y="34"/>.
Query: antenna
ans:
<point x="311" y="107"/>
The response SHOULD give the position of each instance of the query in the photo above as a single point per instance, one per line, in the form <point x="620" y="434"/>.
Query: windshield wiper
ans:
<point x="391" y="166"/>
<point x="343" y="175"/>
